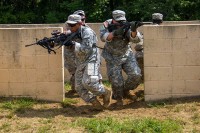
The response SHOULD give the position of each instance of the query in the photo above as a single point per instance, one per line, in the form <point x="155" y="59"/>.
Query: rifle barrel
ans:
<point x="145" y="23"/>
<point x="30" y="44"/>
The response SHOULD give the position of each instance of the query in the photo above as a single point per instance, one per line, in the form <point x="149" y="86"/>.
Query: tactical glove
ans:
<point x="135" y="25"/>
<point x="118" y="32"/>
<point x="69" y="43"/>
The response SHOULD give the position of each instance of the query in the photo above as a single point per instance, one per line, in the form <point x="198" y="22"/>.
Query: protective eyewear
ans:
<point x="71" y="25"/>
<point x="121" y="22"/>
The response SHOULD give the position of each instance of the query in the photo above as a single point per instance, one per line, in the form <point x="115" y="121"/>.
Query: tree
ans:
<point x="56" y="11"/>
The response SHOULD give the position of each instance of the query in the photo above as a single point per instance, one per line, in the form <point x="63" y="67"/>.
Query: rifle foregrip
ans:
<point x="146" y="23"/>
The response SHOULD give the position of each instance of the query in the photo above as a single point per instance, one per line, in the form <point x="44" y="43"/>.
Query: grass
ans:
<point x="146" y="125"/>
<point x="106" y="83"/>
<point x="111" y="124"/>
<point x="196" y="118"/>
<point x="18" y="104"/>
<point x="5" y="127"/>
<point x="28" y="115"/>
<point x="68" y="102"/>
<point x="157" y="104"/>
<point x="67" y="86"/>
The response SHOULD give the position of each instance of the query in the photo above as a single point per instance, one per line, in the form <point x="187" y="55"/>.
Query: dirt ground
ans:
<point x="185" y="109"/>
<point x="48" y="116"/>
<point x="126" y="102"/>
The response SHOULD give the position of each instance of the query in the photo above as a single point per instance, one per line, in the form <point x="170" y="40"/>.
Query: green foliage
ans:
<point x="146" y="125"/>
<point x="56" y="11"/>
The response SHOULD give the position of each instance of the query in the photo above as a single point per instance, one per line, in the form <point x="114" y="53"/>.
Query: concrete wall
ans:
<point x="171" y="61"/>
<point x="29" y="71"/>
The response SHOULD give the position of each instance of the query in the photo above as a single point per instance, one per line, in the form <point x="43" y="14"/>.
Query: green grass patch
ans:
<point x="157" y="104"/>
<point x="106" y="83"/>
<point x="18" y="104"/>
<point x="68" y="102"/>
<point x="67" y="86"/>
<point x="144" y="125"/>
<point x="5" y="127"/>
<point x="44" y="129"/>
<point x="23" y="127"/>
<point x="196" y="118"/>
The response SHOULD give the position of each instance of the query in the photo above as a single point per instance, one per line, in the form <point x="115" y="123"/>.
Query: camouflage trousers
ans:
<point x="70" y="65"/>
<point x="87" y="83"/>
<point x="140" y="59"/>
<point x="114" y="72"/>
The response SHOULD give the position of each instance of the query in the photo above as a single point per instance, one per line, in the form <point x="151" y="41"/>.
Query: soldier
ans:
<point x="87" y="60"/>
<point x="157" y="19"/>
<point x="119" y="56"/>
<point x="82" y="14"/>
<point x="69" y="54"/>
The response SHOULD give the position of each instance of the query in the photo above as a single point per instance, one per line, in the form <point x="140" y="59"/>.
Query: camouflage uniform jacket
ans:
<point x="69" y="54"/>
<point x="85" y="50"/>
<point x="118" y="49"/>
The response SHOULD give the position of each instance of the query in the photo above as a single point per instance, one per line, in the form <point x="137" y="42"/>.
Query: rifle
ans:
<point x="57" y="38"/>
<point x="126" y="25"/>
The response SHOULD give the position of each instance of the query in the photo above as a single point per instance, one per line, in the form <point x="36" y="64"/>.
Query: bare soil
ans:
<point x="48" y="116"/>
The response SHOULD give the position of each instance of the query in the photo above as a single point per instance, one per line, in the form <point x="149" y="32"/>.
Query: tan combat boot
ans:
<point x="119" y="102"/>
<point x="127" y="95"/>
<point x="106" y="98"/>
<point x="97" y="105"/>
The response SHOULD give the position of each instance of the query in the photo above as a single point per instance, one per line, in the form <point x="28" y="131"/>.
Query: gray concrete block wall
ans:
<point x="171" y="61"/>
<point x="29" y="71"/>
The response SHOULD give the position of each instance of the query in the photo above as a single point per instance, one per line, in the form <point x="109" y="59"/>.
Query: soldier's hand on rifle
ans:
<point x="118" y="32"/>
<point x="51" y="44"/>
<point x="135" y="25"/>
<point x="69" y="43"/>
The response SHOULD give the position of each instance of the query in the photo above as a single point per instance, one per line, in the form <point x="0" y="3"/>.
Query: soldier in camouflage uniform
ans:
<point x="119" y="56"/>
<point x="82" y="14"/>
<point x="69" y="55"/>
<point x="157" y="19"/>
<point x="87" y="59"/>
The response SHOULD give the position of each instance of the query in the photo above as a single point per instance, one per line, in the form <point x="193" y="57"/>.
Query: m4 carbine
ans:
<point x="126" y="25"/>
<point x="58" y="39"/>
